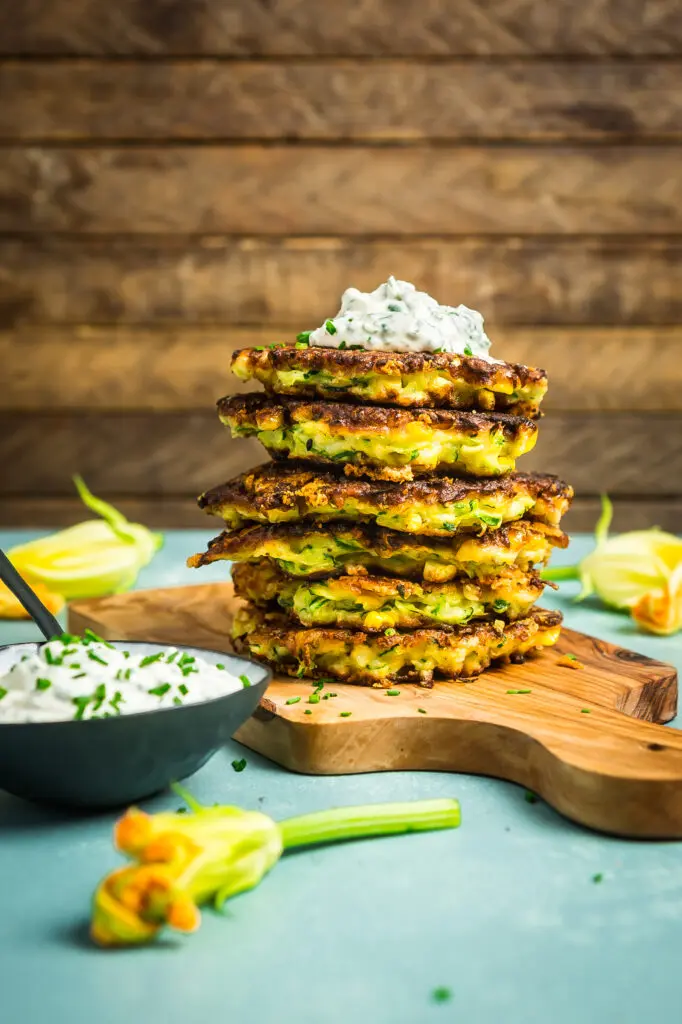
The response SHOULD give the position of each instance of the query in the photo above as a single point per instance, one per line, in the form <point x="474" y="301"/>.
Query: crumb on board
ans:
<point x="570" y="661"/>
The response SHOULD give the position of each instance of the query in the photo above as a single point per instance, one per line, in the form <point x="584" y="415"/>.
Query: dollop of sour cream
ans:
<point x="395" y="317"/>
<point x="74" y="678"/>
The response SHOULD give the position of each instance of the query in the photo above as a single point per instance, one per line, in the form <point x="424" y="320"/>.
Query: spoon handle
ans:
<point x="48" y="625"/>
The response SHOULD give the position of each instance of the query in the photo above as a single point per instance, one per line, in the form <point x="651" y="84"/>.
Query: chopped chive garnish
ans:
<point x="79" y="675"/>
<point x="68" y="638"/>
<point x="571" y="657"/>
<point x="392" y="693"/>
<point x="181" y="810"/>
<point x="75" y="664"/>
<point x="151" y="658"/>
<point x="126" y="654"/>
<point x="81" y="704"/>
<point x="422" y="711"/>
<point x="221" y="667"/>
<point x="519" y="691"/>
<point x="530" y="797"/>
<point x="441" y="994"/>
<point x="183" y="689"/>
<point x="314" y="698"/>
<point x="345" y="714"/>
<point x="127" y="673"/>
<point x="43" y="684"/>
<point x="307" y="712"/>
<point x="96" y="657"/>
<point x="88" y="634"/>
<point x="99" y="696"/>
<point x="598" y="877"/>
<point x="245" y="681"/>
<point x="239" y="766"/>
<point x="467" y="350"/>
<point x="177" y="701"/>
<point x="293" y="700"/>
<point x="171" y="657"/>
<point x="50" y="658"/>
<point x="3" y="692"/>
<point x="331" y="329"/>
<point x="390" y="631"/>
<point x="160" y="690"/>
<point x="584" y="711"/>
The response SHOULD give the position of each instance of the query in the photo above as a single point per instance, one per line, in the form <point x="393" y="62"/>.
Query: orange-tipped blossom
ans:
<point x="118" y="905"/>
<point x="181" y="862"/>
<point x="660" y="611"/>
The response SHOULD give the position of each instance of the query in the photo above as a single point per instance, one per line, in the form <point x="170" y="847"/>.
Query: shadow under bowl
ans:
<point x="108" y="762"/>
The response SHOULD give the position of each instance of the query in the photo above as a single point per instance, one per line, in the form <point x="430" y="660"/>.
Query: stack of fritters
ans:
<point x="390" y="539"/>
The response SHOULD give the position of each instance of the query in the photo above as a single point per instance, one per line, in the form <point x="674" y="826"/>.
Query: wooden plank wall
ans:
<point x="182" y="177"/>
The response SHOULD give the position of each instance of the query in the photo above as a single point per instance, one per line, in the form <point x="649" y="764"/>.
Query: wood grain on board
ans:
<point x="308" y="189"/>
<point x="140" y="453"/>
<point x="180" y="511"/>
<point x="182" y="368"/>
<point x="308" y="27"/>
<point x="297" y="282"/>
<point x="562" y="738"/>
<point x="340" y="99"/>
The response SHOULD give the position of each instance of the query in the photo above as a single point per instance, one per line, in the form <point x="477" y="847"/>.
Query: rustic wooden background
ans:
<point x="182" y="177"/>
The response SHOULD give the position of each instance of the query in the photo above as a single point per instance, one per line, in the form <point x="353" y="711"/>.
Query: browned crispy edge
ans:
<point x="275" y="485"/>
<point x="372" y="538"/>
<point x="254" y="577"/>
<point x="277" y="628"/>
<point x="470" y="369"/>
<point x="247" y="410"/>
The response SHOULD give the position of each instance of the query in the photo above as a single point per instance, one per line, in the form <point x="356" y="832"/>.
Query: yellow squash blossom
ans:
<point x="182" y="861"/>
<point x="640" y="571"/>
<point x="94" y="558"/>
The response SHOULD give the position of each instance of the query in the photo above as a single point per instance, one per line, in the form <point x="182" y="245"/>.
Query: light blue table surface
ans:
<point x="502" y="911"/>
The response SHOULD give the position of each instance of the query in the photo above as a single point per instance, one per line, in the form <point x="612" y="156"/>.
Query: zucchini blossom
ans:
<point x="180" y="861"/>
<point x="639" y="571"/>
<point x="94" y="558"/>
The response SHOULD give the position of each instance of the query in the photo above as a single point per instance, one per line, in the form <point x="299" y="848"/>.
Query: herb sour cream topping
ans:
<point x="79" y="678"/>
<point x="395" y="317"/>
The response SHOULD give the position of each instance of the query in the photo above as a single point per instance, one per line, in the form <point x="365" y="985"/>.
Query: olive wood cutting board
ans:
<point x="583" y="739"/>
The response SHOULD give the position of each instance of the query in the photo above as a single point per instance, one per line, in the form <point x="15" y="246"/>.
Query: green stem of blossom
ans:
<point x="372" y="820"/>
<point x="561" y="572"/>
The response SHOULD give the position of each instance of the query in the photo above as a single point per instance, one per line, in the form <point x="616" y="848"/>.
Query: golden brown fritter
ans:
<point x="319" y="549"/>
<point x="370" y="659"/>
<point x="409" y="379"/>
<point x="376" y="603"/>
<point x="436" y="507"/>
<point x="385" y="443"/>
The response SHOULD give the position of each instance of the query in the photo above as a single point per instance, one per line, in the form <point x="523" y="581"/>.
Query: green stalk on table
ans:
<point x="183" y="861"/>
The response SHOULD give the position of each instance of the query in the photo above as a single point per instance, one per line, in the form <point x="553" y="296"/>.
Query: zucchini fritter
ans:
<point x="410" y="379"/>
<point x="369" y="659"/>
<point x="382" y="442"/>
<point x="437" y="507"/>
<point x="376" y="603"/>
<point x="316" y="549"/>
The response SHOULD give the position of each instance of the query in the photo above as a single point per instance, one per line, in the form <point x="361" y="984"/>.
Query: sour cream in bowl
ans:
<point x="90" y="723"/>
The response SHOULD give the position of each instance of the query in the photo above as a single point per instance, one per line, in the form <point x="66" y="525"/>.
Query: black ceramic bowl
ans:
<point x="107" y="762"/>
